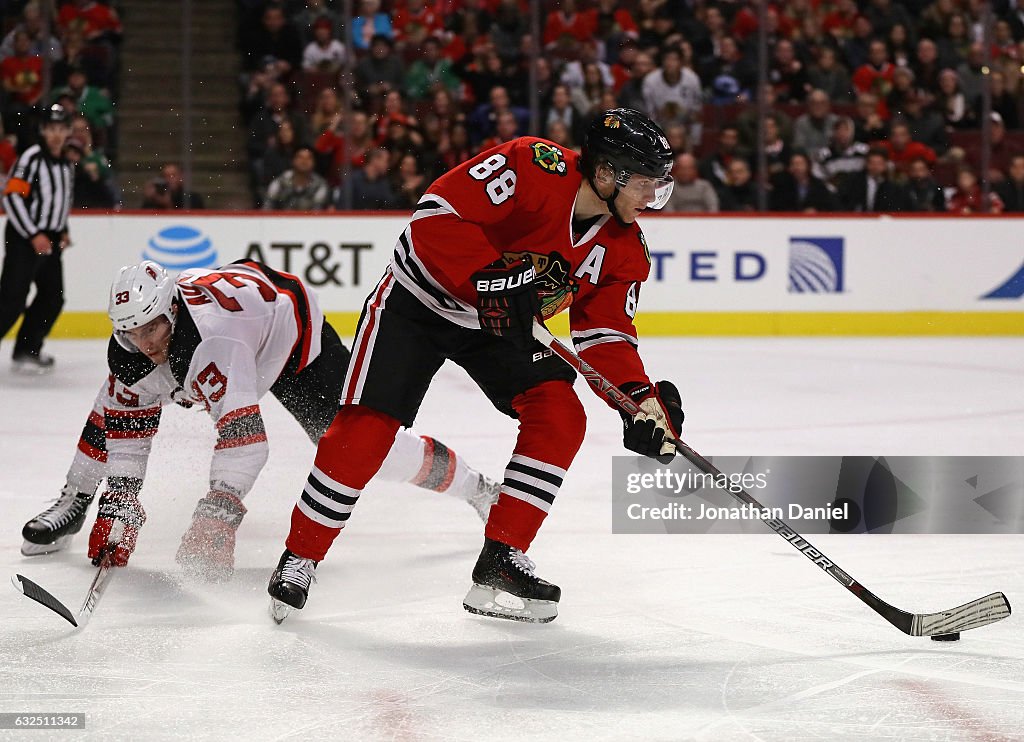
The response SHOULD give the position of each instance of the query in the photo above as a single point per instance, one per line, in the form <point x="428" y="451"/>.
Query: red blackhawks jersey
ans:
<point x="238" y="329"/>
<point x="517" y="201"/>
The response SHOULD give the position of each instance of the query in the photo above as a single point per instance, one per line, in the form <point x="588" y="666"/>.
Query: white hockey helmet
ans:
<point x="139" y="295"/>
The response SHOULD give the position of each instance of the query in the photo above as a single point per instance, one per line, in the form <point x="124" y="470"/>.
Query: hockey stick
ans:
<point x="29" y="589"/>
<point x="944" y="624"/>
<point x="104" y="572"/>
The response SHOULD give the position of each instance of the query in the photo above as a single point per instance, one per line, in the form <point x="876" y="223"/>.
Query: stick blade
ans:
<point x="31" y="590"/>
<point x="973" y="615"/>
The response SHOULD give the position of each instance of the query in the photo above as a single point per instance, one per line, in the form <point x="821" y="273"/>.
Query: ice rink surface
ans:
<point x="659" y="637"/>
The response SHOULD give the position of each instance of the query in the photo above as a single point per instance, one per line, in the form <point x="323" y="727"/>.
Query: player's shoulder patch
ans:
<point x="129" y="368"/>
<point x="548" y="157"/>
<point x="643" y="243"/>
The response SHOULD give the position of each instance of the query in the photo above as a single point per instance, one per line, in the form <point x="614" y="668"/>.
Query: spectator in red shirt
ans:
<point x="413" y="23"/>
<point x="631" y="94"/>
<point x="330" y="145"/>
<point x="875" y="76"/>
<point x="465" y="26"/>
<point x="840" y="21"/>
<point x="623" y="63"/>
<point x="968" y="197"/>
<point x="394" y="110"/>
<point x="22" y="74"/>
<point x="902" y="149"/>
<point x="744" y="23"/>
<point x="611" y="21"/>
<point x="565" y="21"/>
<point x="96" y="21"/>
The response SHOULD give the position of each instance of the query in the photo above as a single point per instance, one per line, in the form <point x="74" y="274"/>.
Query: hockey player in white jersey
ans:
<point x="219" y="339"/>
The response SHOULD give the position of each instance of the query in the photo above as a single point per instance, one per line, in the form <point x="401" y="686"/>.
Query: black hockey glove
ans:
<point x="507" y="301"/>
<point x="660" y="417"/>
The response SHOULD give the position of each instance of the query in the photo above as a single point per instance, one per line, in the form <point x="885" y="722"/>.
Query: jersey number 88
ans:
<point x="499" y="188"/>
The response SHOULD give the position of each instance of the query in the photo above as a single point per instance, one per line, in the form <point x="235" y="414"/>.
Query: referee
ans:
<point x="37" y="200"/>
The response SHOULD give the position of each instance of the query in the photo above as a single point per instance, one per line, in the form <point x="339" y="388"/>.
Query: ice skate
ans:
<point x="505" y="586"/>
<point x="483" y="496"/>
<point x="289" y="585"/>
<point x="32" y="364"/>
<point x="53" y="529"/>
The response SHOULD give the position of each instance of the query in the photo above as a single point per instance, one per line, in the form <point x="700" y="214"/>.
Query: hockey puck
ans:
<point x="954" y="637"/>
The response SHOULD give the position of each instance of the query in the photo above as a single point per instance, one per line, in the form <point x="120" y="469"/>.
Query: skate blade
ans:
<point x="29" y="549"/>
<point x="30" y="369"/>
<point x="489" y="601"/>
<point x="279" y="611"/>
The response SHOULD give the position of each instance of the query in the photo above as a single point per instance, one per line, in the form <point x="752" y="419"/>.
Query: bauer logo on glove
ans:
<point x="505" y="283"/>
<point x="660" y="418"/>
<point x="507" y="301"/>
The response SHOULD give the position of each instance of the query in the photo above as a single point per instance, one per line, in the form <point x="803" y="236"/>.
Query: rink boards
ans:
<point x="723" y="275"/>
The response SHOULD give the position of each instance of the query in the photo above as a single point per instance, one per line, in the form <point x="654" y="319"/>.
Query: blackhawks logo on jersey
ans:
<point x="548" y="158"/>
<point x="555" y="285"/>
<point x="643" y="241"/>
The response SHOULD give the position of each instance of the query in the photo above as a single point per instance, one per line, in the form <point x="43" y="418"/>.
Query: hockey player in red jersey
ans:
<point x="524" y="230"/>
<point x="216" y="339"/>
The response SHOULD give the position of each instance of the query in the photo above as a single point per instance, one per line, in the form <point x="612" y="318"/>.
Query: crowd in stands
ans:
<point x="874" y="104"/>
<point x="64" y="53"/>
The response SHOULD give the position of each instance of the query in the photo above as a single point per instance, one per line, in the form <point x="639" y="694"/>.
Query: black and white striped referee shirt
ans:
<point x="39" y="192"/>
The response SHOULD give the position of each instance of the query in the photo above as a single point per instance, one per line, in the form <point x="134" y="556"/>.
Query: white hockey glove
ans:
<point x="207" y="549"/>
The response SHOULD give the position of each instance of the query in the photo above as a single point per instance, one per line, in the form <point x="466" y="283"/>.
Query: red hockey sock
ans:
<point x="348" y="456"/>
<point x="551" y="428"/>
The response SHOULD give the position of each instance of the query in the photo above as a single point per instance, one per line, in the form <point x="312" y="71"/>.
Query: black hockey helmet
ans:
<point x="630" y="144"/>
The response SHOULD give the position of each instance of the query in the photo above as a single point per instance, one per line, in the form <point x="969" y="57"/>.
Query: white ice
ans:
<point x="659" y="637"/>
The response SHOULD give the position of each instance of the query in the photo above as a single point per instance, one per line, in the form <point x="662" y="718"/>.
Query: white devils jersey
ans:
<point x="237" y="330"/>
